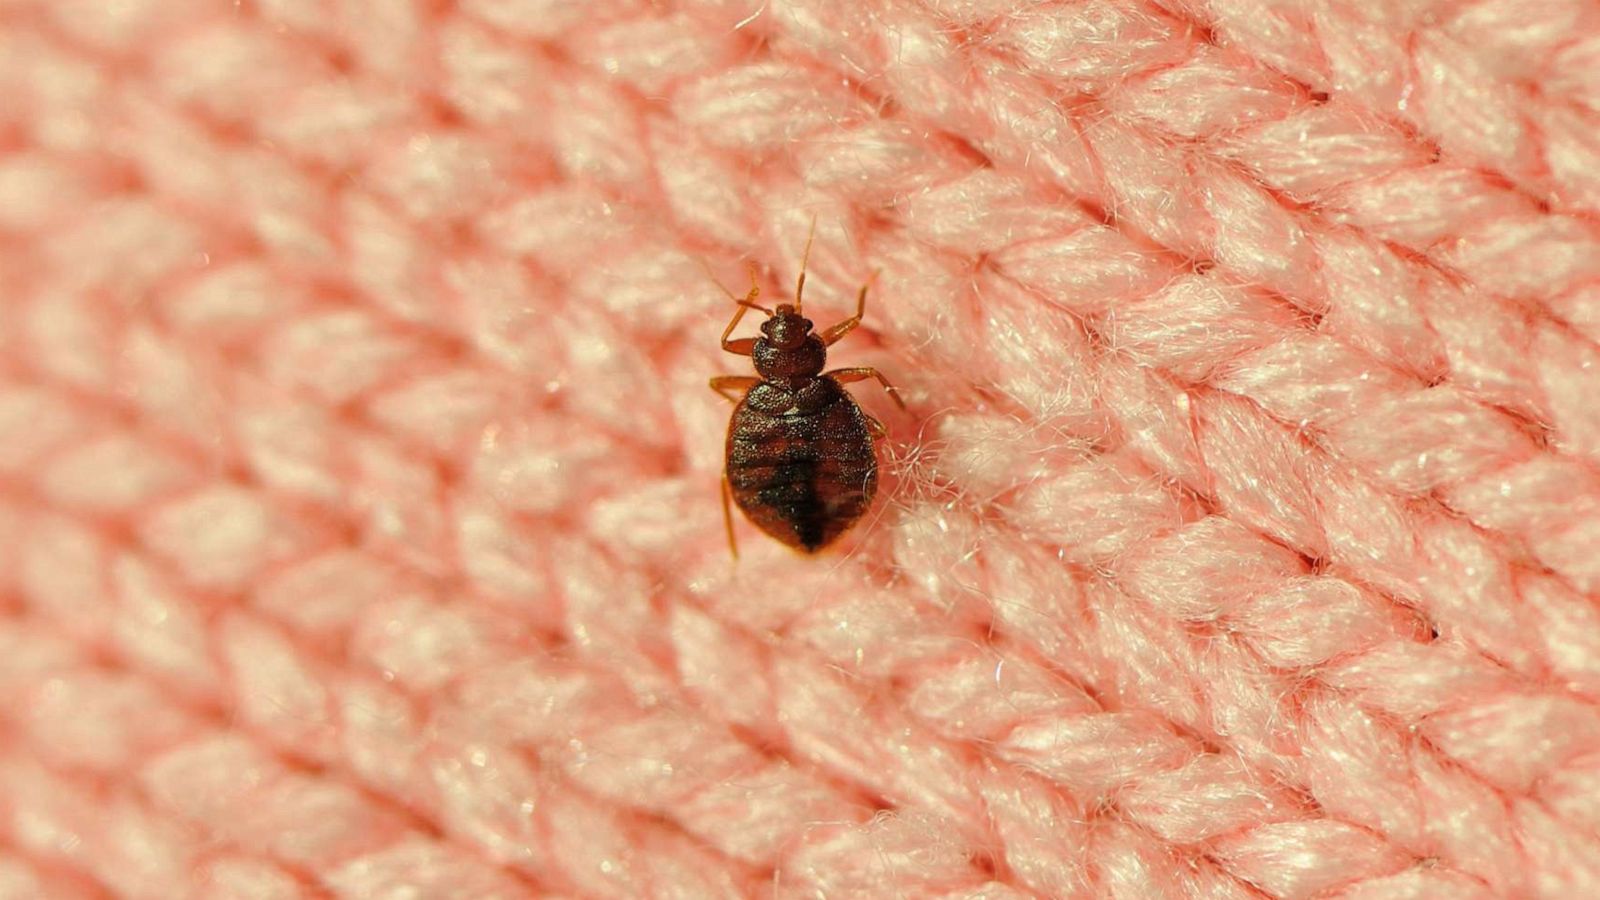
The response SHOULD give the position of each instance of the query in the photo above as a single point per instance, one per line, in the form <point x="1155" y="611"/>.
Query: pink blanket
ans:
<point x="359" y="521"/>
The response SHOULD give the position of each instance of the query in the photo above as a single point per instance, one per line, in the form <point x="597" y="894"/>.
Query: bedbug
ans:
<point x="801" y="461"/>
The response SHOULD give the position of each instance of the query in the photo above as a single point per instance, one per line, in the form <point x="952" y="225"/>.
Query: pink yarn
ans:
<point x="359" y="523"/>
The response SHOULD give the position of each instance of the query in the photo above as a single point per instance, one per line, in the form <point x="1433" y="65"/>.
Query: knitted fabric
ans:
<point x="360" y="532"/>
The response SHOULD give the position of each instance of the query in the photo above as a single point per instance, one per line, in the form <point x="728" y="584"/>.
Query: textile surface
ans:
<point x="360" y="531"/>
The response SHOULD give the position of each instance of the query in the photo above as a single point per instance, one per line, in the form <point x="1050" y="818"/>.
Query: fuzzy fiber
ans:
<point x="359" y="521"/>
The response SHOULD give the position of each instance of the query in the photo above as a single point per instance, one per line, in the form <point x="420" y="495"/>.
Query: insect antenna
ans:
<point x="805" y="257"/>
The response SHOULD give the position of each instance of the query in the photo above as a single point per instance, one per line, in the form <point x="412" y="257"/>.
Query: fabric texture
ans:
<point x="360" y="532"/>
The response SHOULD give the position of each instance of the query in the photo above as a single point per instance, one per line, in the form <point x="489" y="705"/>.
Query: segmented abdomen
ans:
<point x="803" y="478"/>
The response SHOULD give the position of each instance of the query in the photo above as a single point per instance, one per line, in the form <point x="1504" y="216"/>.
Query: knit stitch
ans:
<point x="360" y="532"/>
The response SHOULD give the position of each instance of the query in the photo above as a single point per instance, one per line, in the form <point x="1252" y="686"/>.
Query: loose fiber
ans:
<point x="359" y="518"/>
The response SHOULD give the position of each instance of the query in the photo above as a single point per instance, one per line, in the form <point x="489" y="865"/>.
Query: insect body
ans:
<point x="800" y="460"/>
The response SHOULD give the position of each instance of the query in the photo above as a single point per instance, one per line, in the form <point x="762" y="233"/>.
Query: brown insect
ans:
<point x="800" y="460"/>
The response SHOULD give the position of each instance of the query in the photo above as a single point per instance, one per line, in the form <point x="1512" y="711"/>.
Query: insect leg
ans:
<point x="862" y="373"/>
<point x="727" y="516"/>
<point x="876" y="427"/>
<point x="722" y="384"/>
<point x="839" y="329"/>
<point x="742" y="346"/>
